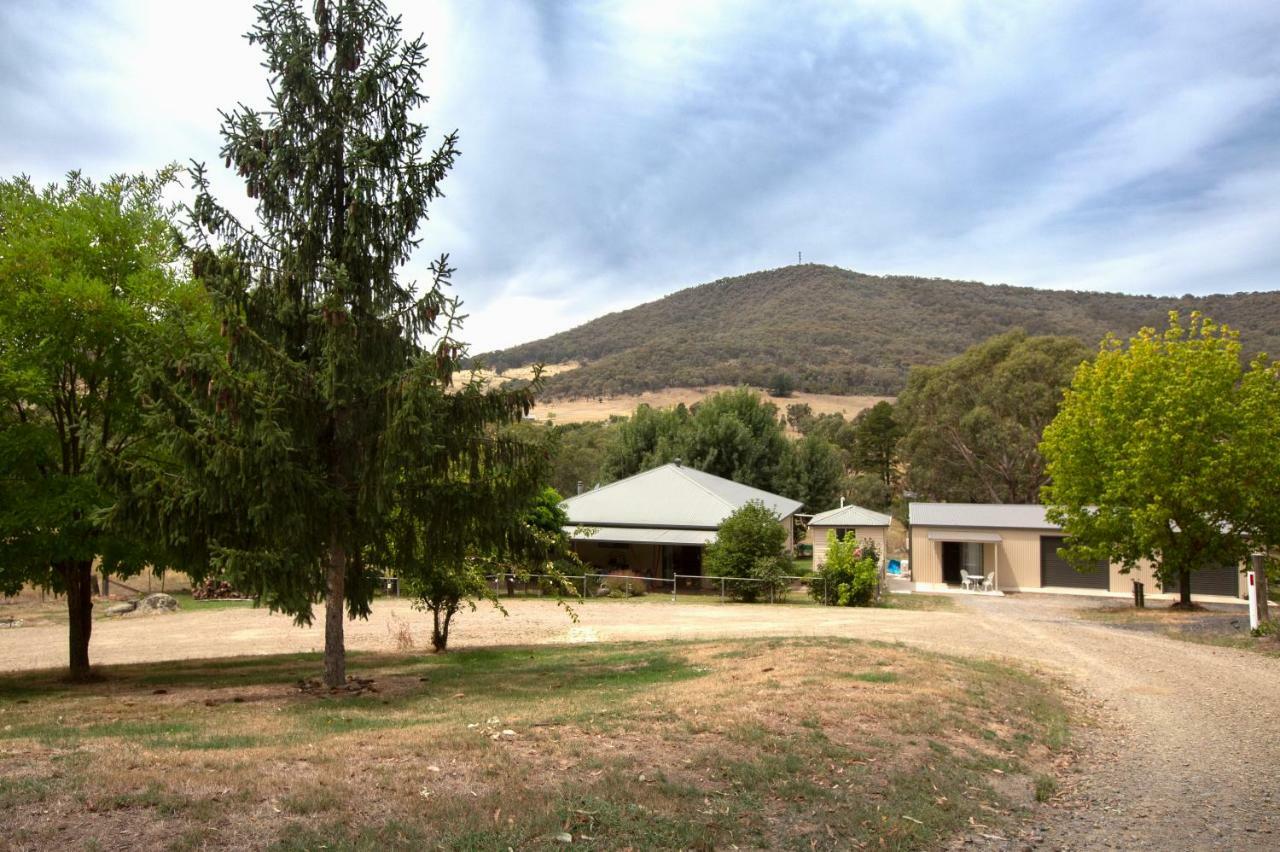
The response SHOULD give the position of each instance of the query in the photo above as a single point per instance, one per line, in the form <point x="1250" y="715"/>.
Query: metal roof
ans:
<point x="980" y="515"/>
<point x="641" y="535"/>
<point x="671" y="496"/>
<point x="850" y="516"/>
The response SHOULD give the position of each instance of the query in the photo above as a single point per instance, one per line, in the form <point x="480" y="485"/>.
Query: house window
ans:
<point x="971" y="557"/>
<point x="843" y="533"/>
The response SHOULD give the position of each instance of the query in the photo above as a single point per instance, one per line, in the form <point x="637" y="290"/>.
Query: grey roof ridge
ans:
<point x="600" y="488"/>
<point x="737" y="483"/>
<point x="681" y="470"/>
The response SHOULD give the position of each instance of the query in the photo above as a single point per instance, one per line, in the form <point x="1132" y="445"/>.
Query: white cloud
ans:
<point x="613" y="151"/>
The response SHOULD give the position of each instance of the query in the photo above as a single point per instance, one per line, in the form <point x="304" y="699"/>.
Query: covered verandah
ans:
<point x="654" y="552"/>
<point x="970" y="559"/>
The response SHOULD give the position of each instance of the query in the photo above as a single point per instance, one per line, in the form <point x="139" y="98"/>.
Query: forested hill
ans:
<point x="837" y="331"/>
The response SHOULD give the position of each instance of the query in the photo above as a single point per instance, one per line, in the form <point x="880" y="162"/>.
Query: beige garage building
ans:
<point x="1015" y="548"/>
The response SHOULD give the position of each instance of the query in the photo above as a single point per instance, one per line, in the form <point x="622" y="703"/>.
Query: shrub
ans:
<point x="781" y="385"/>
<point x="750" y="547"/>
<point x="770" y="574"/>
<point x="215" y="588"/>
<point x="851" y="574"/>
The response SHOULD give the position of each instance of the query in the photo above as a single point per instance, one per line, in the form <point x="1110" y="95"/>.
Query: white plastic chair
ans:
<point x="989" y="582"/>
<point x="969" y="581"/>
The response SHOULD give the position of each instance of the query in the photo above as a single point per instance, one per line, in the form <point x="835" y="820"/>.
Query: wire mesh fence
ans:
<point x="779" y="589"/>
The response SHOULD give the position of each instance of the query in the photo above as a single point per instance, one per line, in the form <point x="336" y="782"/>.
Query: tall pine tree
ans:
<point x="335" y="388"/>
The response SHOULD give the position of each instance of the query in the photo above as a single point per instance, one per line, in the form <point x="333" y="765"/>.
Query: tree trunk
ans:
<point x="1184" y="588"/>
<point x="78" y="579"/>
<point x="335" y="612"/>
<point x="440" y="628"/>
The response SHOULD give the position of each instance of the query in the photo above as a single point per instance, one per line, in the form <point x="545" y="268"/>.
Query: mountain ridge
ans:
<point x="834" y="330"/>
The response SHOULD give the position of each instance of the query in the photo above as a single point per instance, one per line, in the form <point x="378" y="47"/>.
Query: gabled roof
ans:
<point x="850" y="516"/>
<point x="671" y="496"/>
<point x="1027" y="516"/>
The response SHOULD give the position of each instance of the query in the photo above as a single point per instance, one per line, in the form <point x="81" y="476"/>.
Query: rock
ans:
<point x="122" y="608"/>
<point x="564" y="837"/>
<point x="158" y="603"/>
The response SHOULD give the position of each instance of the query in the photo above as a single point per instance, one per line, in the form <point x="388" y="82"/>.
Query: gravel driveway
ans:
<point x="1185" y="753"/>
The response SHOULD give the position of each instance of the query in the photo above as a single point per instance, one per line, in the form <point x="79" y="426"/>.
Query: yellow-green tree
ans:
<point x="89" y="288"/>
<point x="1162" y="451"/>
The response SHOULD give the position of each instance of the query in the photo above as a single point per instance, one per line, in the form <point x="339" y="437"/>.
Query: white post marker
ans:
<point x="1253" y="599"/>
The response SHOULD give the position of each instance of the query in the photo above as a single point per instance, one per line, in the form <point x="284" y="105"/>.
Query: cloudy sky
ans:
<point x="614" y="152"/>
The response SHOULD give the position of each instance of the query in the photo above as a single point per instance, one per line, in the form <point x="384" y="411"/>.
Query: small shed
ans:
<point x="862" y="524"/>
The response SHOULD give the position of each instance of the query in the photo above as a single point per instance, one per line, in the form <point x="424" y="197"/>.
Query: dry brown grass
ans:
<point x="801" y="743"/>
<point x="593" y="409"/>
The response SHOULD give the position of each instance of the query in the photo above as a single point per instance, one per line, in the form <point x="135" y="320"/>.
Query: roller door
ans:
<point x="1055" y="571"/>
<point x="1211" y="581"/>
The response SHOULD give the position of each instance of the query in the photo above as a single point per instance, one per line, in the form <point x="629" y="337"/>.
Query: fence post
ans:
<point x="1258" y="562"/>
<point x="722" y="590"/>
<point x="584" y="587"/>
<point x="674" y="584"/>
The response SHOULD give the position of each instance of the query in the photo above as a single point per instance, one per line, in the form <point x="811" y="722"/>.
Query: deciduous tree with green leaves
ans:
<point x="751" y="546"/>
<point x="738" y="435"/>
<point x="1163" y="451"/>
<point x="811" y="472"/>
<point x="972" y="426"/>
<point x="337" y="401"/>
<point x="649" y="438"/>
<point x="89" y="281"/>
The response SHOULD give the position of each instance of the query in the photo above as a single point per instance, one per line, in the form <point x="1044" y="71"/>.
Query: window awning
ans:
<point x="642" y="535"/>
<point x="976" y="536"/>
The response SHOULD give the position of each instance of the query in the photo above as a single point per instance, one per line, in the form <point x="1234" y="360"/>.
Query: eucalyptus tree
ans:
<point x="971" y="427"/>
<point x="336" y="387"/>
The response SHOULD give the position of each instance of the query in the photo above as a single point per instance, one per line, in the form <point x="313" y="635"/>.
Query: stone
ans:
<point x="122" y="608"/>
<point x="158" y="603"/>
